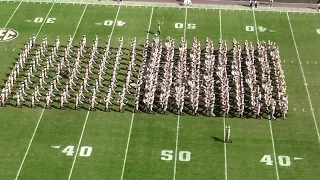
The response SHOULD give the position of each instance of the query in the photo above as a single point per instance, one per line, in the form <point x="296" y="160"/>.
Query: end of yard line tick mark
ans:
<point x="297" y="158"/>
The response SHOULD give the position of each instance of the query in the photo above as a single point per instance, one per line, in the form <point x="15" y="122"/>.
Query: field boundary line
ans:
<point x="270" y="124"/>
<point x="39" y="120"/>
<point x="87" y="116"/>
<point x="224" y="118"/>
<point x="304" y="78"/>
<point x="132" y="117"/>
<point x="14" y="12"/>
<point x="174" y="5"/>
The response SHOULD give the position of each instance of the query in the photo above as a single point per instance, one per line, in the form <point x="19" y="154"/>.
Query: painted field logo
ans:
<point x="8" y="35"/>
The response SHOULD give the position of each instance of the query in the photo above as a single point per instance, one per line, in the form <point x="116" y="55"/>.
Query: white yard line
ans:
<point x="85" y="122"/>
<point x="185" y="23"/>
<point x="150" y="22"/>
<point x="45" y="20"/>
<point x="132" y="117"/>
<point x="25" y="155"/>
<point x="224" y="119"/>
<point x="255" y="24"/>
<point x="39" y="120"/>
<point x="176" y="150"/>
<point x="75" y="32"/>
<point x="178" y="121"/>
<point x="76" y="154"/>
<point x="115" y="20"/>
<point x="13" y="14"/>
<point x="270" y="124"/>
<point x="304" y="79"/>
<point x="127" y="148"/>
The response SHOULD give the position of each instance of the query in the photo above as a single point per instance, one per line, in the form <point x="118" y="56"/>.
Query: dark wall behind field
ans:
<point x="287" y="1"/>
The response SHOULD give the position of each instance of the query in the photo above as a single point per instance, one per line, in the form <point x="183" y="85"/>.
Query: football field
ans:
<point x="54" y="144"/>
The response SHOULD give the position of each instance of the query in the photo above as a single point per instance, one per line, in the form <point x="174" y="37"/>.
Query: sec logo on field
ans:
<point x="8" y="34"/>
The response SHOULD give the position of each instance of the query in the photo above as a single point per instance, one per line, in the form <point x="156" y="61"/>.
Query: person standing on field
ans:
<point x="159" y="29"/>
<point x="270" y="2"/>
<point x="228" y="135"/>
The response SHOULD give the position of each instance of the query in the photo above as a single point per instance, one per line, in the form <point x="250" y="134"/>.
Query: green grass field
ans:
<point x="130" y="146"/>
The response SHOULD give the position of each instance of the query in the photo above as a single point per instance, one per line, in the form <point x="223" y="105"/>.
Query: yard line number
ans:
<point x="259" y="28"/>
<point x="40" y="20"/>
<point x="283" y="160"/>
<point x="167" y="155"/>
<point x="318" y="31"/>
<point x="110" y="23"/>
<point x="85" y="151"/>
<point x="181" y="26"/>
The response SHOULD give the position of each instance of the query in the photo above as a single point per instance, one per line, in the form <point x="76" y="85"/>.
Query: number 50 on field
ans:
<point x="167" y="155"/>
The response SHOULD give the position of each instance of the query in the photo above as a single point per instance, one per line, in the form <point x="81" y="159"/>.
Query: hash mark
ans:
<point x="311" y="109"/>
<point x="284" y="61"/>
<point x="291" y="61"/>
<point x="5" y="49"/>
<point x="307" y="62"/>
<point x="294" y="109"/>
<point x="13" y="49"/>
<point x="303" y="110"/>
<point x="315" y="62"/>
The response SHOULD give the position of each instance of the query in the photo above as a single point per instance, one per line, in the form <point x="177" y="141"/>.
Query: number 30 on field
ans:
<point x="167" y="155"/>
<point x="40" y="20"/>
